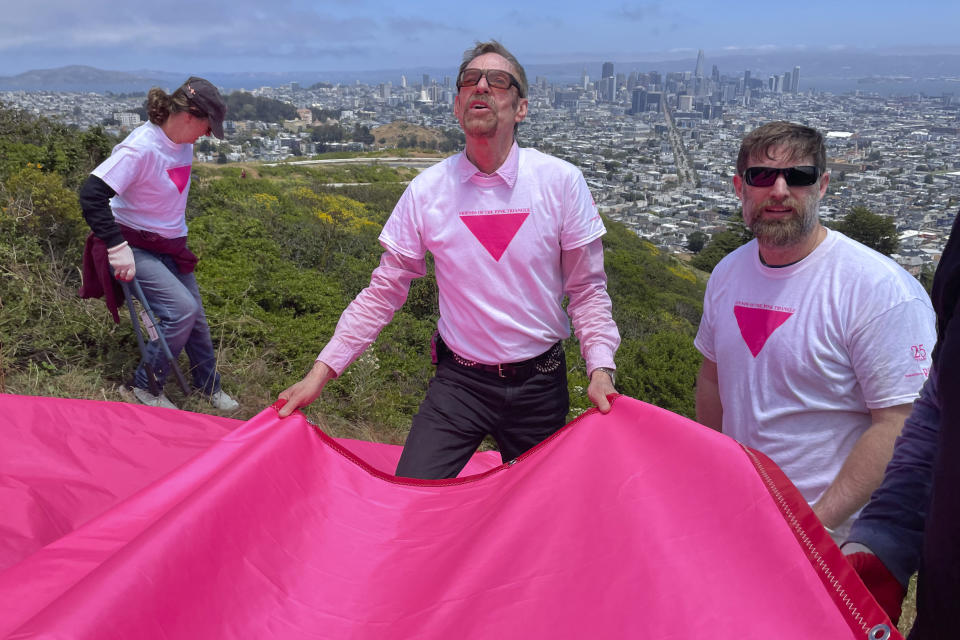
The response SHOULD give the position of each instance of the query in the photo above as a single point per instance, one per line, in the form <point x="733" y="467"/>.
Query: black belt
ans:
<point x="547" y="362"/>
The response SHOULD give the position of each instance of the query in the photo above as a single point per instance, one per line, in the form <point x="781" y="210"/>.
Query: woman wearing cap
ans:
<point x="134" y="203"/>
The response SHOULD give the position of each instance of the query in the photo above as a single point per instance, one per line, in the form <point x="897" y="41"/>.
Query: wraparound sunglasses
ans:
<point x="802" y="176"/>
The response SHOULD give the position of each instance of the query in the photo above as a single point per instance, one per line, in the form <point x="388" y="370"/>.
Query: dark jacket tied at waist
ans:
<point x="98" y="280"/>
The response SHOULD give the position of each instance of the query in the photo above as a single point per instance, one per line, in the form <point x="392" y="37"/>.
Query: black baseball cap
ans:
<point x="204" y="96"/>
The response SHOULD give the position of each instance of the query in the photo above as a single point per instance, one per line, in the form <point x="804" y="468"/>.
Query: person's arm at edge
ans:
<point x="709" y="407"/>
<point x="891" y="525"/>
<point x="94" y="198"/>
<point x="95" y="203"/>
<point x="590" y="309"/>
<point x="862" y="471"/>
<point x="359" y="325"/>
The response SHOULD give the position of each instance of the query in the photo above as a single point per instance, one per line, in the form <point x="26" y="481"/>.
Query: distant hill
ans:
<point x="390" y="134"/>
<point x="84" y="78"/>
<point x="840" y="70"/>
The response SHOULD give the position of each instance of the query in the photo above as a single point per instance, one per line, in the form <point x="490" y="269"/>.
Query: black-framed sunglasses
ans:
<point x="495" y="78"/>
<point x="801" y="176"/>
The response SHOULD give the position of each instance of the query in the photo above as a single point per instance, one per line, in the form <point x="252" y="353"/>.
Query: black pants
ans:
<point x="463" y="405"/>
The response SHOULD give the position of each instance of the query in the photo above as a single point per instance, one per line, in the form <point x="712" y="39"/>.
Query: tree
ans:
<point x="327" y="133"/>
<point x="245" y="106"/>
<point x="696" y="241"/>
<point x="736" y="235"/>
<point x="876" y="231"/>
<point x="721" y="244"/>
<point x="926" y="277"/>
<point x="319" y="114"/>
<point x="361" y="133"/>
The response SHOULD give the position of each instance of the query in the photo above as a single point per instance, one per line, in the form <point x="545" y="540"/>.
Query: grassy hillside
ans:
<point x="282" y="253"/>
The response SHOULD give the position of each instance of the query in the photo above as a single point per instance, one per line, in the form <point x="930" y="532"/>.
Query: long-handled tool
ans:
<point x="151" y="377"/>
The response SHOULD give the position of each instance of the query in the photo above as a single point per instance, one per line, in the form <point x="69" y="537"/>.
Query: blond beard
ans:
<point x="784" y="233"/>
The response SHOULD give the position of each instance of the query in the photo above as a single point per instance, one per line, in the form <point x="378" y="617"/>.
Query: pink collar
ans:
<point x="507" y="171"/>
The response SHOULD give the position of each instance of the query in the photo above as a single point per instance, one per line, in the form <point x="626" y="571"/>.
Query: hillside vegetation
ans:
<point x="282" y="254"/>
<point x="406" y="135"/>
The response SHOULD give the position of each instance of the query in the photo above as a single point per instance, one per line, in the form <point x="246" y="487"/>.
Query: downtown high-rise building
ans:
<point x="607" y="71"/>
<point x="795" y="80"/>
<point x="566" y="100"/>
<point x="653" y="101"/>
<point x="609" y="88"/>
<point x="638" y="102"/>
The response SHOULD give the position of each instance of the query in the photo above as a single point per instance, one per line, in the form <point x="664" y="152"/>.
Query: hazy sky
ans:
<point x="299" y="35"/>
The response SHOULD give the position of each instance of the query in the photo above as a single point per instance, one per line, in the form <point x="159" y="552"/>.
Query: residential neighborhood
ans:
<point x="658" y="152"/>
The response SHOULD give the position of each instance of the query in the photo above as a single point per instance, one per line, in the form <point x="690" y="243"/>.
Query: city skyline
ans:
<point x="296" y="35"/>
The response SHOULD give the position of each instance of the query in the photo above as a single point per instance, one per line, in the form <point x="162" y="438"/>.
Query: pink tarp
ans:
<point x="121" y="521"/>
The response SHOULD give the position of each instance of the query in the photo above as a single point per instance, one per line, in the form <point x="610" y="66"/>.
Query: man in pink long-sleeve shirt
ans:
<point x="512" y="232"/>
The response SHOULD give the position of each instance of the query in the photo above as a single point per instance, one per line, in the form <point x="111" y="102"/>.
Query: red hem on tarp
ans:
<point x="851" y="596"/>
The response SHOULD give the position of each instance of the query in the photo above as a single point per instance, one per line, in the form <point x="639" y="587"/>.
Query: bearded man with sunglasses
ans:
<point x="512" y="232"/>
<point x="814" y="345"/>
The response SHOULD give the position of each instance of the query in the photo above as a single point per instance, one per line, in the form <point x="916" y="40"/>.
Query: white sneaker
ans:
<point x="151" y="400"/>
<point x="220" y="400"/>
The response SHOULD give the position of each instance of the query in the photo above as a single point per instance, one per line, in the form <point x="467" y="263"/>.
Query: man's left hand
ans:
<point x="601" y="385"/>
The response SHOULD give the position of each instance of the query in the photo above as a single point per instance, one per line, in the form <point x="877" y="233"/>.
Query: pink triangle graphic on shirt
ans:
<point x="180" y="177"/>
<point x="757" y="325"/>
<point x="495" y="232"/>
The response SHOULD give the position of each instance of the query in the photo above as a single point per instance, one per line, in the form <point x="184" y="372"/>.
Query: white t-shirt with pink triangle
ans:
<point x="151" y="175"/>
<point x="496" y="241"/>
<point x="804" y="352"/>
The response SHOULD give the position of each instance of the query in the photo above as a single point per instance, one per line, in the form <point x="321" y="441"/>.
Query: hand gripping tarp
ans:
<point x="129" y="522"/>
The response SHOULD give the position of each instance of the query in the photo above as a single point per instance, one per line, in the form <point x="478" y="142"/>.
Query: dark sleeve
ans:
<point x="892" y="523"/>
<point x="95" y="197"/>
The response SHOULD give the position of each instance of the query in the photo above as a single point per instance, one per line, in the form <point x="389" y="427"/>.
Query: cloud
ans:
<point x="638" y="12"/>
<point x="410" y="25"/>
<point x="248" y="34"/>
<point x="551" y="21"/>
<point x="150" y="34"/>
<point x="365" y="34"/>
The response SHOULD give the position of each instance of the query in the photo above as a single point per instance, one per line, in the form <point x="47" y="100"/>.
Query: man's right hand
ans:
<point x="122" y="262"/>
<point x="307" y="390"/>
<point x="886" y="589"/>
